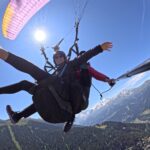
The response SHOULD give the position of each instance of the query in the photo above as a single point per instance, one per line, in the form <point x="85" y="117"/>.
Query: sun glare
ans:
<point x="40" y="35"/>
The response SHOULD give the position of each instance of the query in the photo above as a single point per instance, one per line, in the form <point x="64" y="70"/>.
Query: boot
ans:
<point x="69" y="124"/>
<point x="14" y="116"/>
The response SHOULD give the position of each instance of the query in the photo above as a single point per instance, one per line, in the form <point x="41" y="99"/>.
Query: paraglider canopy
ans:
<point x="17" y="14"/>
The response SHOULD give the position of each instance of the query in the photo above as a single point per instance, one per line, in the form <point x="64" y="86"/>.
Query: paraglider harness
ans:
<point x="85" y="78"/>
<point x="48" y="67"/>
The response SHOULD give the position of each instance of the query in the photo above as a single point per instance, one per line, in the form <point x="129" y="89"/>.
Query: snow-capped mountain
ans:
<point x="128" y="106"/>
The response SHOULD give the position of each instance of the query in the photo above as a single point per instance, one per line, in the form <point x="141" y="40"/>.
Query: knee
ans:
<point x="27" y="86"/>
<point x="24" y="83"/>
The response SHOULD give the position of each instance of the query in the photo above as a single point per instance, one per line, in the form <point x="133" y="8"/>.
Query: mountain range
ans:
<point x="129" y="106"/>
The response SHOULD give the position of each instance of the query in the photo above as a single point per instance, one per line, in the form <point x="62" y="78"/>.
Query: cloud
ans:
<point x="136" y="80"/>
<point x="81" y="117"/>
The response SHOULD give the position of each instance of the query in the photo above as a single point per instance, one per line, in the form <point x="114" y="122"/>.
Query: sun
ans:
<point x="40" y="35"/>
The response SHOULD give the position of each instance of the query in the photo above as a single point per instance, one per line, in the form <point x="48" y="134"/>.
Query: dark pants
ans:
<point x="29" y="68"/>
<point x="14" y="88"/>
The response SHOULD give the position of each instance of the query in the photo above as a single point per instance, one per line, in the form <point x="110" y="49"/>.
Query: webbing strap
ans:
<point x="63" y="70"/>
<point x="62" y="104"/>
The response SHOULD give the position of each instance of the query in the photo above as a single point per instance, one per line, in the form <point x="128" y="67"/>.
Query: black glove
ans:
<point x="112" y="82"/>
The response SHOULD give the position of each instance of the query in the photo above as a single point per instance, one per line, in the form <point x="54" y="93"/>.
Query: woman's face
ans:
<point x="59" y="59"/>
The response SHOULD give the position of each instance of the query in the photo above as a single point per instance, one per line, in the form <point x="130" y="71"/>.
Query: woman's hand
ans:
<point x="111" y="82"/>
<point x="106" y="46"/>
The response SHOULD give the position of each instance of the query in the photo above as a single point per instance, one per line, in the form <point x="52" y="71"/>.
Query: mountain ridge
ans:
<point x="127" y="106"/>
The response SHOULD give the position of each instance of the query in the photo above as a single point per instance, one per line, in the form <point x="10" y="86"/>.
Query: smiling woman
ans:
<point x="56" y="97"/>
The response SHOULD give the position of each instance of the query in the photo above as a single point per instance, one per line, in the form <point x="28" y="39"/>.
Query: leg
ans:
<point x="86" y="92"/>
<point x="28" y="111"/>
<point x="76" y="97"/>
<point x="23" y="65"/>
<point x="14" y="88"/>
<point x="15" y="116"/>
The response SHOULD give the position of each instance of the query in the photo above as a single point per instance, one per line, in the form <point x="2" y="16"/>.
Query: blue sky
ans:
<point x="125" y="23"/>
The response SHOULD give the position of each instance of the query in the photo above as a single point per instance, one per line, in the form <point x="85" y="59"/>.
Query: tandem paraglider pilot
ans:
<point x="56" y="97"/>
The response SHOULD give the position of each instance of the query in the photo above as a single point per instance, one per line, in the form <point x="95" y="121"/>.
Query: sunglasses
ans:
<point x="58" y="56"/>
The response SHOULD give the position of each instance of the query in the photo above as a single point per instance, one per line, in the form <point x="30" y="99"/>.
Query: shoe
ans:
<point x="12" y="115"/>
<point x="68" y="126"/>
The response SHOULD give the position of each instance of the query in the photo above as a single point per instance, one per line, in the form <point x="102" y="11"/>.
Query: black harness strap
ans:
<point x="63" y="70"/>
<point x="62" y="104"/>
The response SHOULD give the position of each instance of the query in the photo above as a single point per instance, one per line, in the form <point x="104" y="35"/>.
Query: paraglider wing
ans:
<point x="145" y="66"/>
<point x="17" y="14"/>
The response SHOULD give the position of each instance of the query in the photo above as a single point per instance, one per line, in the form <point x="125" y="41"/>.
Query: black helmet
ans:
<point x="59" y="53"/>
